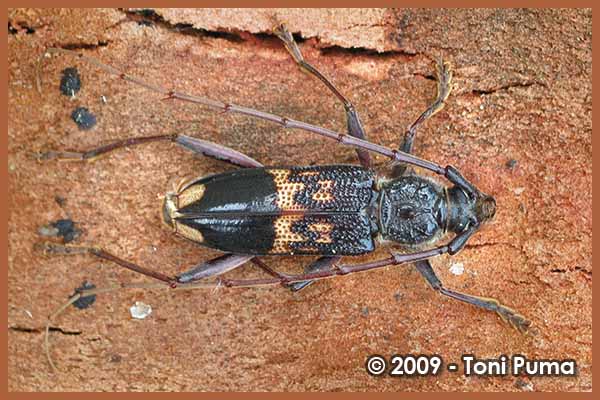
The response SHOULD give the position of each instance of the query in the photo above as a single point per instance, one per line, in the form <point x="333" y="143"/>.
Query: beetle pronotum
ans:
<point x="330" y="211"/>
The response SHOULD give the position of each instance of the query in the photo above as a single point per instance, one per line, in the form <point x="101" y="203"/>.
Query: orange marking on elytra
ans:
<point x="283" y="233"/>
<point x="324" y="192"/>
<point x="286" y="190"/>
<point x="324" y="230"/>
<point x="190" y="195"/>
<point x="308" y="173"/>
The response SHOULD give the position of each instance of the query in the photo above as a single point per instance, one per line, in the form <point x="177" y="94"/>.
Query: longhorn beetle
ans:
<point x="328" y="210"/>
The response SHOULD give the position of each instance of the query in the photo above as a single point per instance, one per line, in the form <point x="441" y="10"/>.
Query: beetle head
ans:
<point x="485" y="207"/>
<point x="469" y="209"/>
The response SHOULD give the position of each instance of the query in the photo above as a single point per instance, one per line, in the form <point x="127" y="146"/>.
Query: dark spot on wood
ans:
<point x="86" y="301"/>
<point x="84" y="119"/>
<point x="70" y="83"/>
<point x="511" y="164"/>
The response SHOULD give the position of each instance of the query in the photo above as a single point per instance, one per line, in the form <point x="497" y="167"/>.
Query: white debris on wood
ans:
<point x="457" y="268"/>
<point x="140" y="310"/>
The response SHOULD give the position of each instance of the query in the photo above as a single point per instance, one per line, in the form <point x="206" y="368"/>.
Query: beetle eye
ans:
<point x="473" y="222"/>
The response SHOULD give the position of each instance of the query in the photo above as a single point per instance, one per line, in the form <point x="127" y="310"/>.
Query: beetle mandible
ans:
<point x="329" y="210"/>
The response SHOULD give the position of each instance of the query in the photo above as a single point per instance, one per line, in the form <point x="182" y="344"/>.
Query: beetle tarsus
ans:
<point x="65" y="249"/>
<point x="516" y="320"/>
<point x="444" y="87"/>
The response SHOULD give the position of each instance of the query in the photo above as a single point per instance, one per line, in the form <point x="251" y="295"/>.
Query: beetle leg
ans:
<point x="507" y="314"/>
<point x="260" y="264"/>
<point x="444" y="80"/>
<point x="198" y="146"/>
<point x="214" y="150"/>
<point x="355" y="127"/>
<point x="214" y="267"/>
<point x="321" y="264"/>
